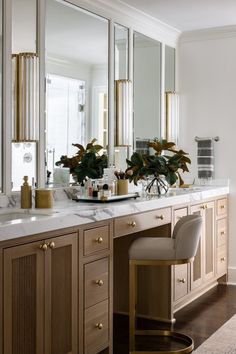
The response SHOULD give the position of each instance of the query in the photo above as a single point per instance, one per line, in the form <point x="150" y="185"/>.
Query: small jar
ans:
<point x="43" y="198"/>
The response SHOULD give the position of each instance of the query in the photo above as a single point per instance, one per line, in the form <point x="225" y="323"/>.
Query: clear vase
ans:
<point x="157" y="186"/>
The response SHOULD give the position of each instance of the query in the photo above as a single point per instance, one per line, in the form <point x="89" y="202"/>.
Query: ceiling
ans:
<point x="188" y="15"/>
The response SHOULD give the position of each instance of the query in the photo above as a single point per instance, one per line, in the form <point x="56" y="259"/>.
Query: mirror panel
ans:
<point x="1" y="36"/>
<point x="147" y="90"/>
<point x="76" y="80"/>
<point x="121" y="52"/>
<point x="121" y="73"/>
<point x="169" y="69"/>
<point x="24" y="24"/>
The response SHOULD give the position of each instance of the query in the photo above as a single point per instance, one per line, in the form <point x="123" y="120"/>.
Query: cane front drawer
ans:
<point x="96" y="281"/>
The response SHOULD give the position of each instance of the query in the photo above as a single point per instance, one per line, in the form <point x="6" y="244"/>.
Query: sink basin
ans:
<point x="18" y="216"/>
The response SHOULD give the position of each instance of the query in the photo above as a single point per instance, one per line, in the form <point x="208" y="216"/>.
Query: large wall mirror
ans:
<point x="24" y="46"/>
<point x="147" y="90"/>
<point x="1" y="41"/>
<point x="76" y="80"/>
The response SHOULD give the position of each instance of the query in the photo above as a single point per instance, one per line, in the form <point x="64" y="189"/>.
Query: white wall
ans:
<point x="207" y="86"/>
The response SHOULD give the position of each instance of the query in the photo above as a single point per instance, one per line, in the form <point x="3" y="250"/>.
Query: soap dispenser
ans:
<point x="26" y="194"/>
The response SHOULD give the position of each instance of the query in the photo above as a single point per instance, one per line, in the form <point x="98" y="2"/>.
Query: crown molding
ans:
<point x="208" y="34"/>
<point x="123" y="14"/>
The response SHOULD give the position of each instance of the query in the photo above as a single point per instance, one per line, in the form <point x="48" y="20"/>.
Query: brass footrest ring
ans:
<point x="188" y="341"/>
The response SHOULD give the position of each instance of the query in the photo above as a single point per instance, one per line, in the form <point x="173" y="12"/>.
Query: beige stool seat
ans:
<point x="179" y="249"/>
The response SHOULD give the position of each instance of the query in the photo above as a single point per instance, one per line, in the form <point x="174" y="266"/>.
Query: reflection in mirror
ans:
<point x="1" y="95"/>
<point x="24" y="20"/>
<point x="147" y="91"/>
<point x="121" y="74"/>
<point x="76" y="80"/>
<point x="171" y="97"/>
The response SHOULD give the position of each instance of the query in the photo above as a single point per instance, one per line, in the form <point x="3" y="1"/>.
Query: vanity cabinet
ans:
<point x="221" y="237"/>
<point x="96" y="277"/>
<point x="40" y="297"/>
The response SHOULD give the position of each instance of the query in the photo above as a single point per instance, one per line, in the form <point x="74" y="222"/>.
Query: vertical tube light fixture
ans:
<point x="25" y="112"/>
<point x="124" y="118"/>
<point x="172" y="116"/>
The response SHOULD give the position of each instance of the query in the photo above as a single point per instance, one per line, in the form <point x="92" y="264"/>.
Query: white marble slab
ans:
<point x="68" y="213"/>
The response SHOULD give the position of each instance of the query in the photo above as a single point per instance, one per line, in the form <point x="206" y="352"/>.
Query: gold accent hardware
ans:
<point x="52" y="245"/>
<point x="160" y="217"/>
<point x="222" y="259"/>
<point x="223" y="233"/>
<point x="43" y="247"/>
<point x="222" y="206"/>
<point x="99" y="282"/>
<point x="99" y="326"/>
<point x="132" y="223"/>
<point x="182" y="280"/>
<point x="99" y="239"/>
<point x="204" y="207"/>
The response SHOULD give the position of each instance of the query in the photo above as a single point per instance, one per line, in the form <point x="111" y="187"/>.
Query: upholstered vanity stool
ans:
<point x="179" y="249"/>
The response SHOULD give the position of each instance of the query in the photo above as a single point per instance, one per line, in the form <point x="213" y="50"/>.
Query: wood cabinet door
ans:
<point x="24" y="299"/>
<point x="61" y="295"/>
<point x="197" y="265"/>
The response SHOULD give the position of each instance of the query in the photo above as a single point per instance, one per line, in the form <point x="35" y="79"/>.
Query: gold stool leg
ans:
<point x="132" y="305"/>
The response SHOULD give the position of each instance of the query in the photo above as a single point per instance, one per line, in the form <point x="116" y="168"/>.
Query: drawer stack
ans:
<point x="221" y="237"/>
<point x="96" y="275"/>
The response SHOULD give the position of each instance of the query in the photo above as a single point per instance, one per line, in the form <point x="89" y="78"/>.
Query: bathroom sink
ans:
<point x="19" y="215"/>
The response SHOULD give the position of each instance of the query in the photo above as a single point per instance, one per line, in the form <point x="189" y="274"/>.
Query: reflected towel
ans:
<point x="205" y="158"/>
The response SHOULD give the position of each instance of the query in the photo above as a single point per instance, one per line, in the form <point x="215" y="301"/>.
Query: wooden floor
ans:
<point x="200" y="319"/>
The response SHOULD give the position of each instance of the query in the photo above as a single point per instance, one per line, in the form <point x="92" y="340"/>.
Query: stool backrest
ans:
<point x="187" y="233"/>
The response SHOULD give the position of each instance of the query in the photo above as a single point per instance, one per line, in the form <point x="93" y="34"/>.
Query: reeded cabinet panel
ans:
<point x="61" y="295"/>
<point x="23" y="299"/>
<point x="197" y="265"/>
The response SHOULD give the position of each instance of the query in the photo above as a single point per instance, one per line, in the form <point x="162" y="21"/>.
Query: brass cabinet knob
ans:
<point x="222" y="259"/>
<point x="99" y="282"/>
<point x="99" y="239"/>
<point x="52" y="245"/>
<point x="222" y="206"/>
<point x="132" y="223"/>
<point x="99" y="326"/>
<point x="182" y="280"/>
<point x="160" y="217"/>
<point x="223" y="233"/>
<point x="43" y="247"/>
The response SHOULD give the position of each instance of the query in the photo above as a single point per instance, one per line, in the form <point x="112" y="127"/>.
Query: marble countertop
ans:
<point x="68" y="213"/>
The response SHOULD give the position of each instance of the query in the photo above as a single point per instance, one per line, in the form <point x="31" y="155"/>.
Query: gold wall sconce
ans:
<point x="25" y="113"/>
<point x="124" y="116"/>
<point x="172" y="116"/>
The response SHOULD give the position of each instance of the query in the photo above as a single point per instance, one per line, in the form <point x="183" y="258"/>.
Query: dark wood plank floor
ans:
<point x="200" y="319"/>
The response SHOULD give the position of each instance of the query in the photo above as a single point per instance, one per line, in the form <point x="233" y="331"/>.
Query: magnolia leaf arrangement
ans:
<point x="86" y="163"/>
<point x="166" y="161"/>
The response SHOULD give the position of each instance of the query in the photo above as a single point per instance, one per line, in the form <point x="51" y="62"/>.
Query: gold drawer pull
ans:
<point x="99" y="239"/>
<point x="43" y="247"/>
<point x="99" y="282"/>
<point x="51" y="244"/>
<point x="204" y="207"/>
<point x="222" y="206"/>
<point x="99" y="326"/>
<point x="182" y="280"/>
<point x="222" y="259"/>
<point x="160" y="217"/>
<point x="223" y="233"/>
<point x="132" y="223"/>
